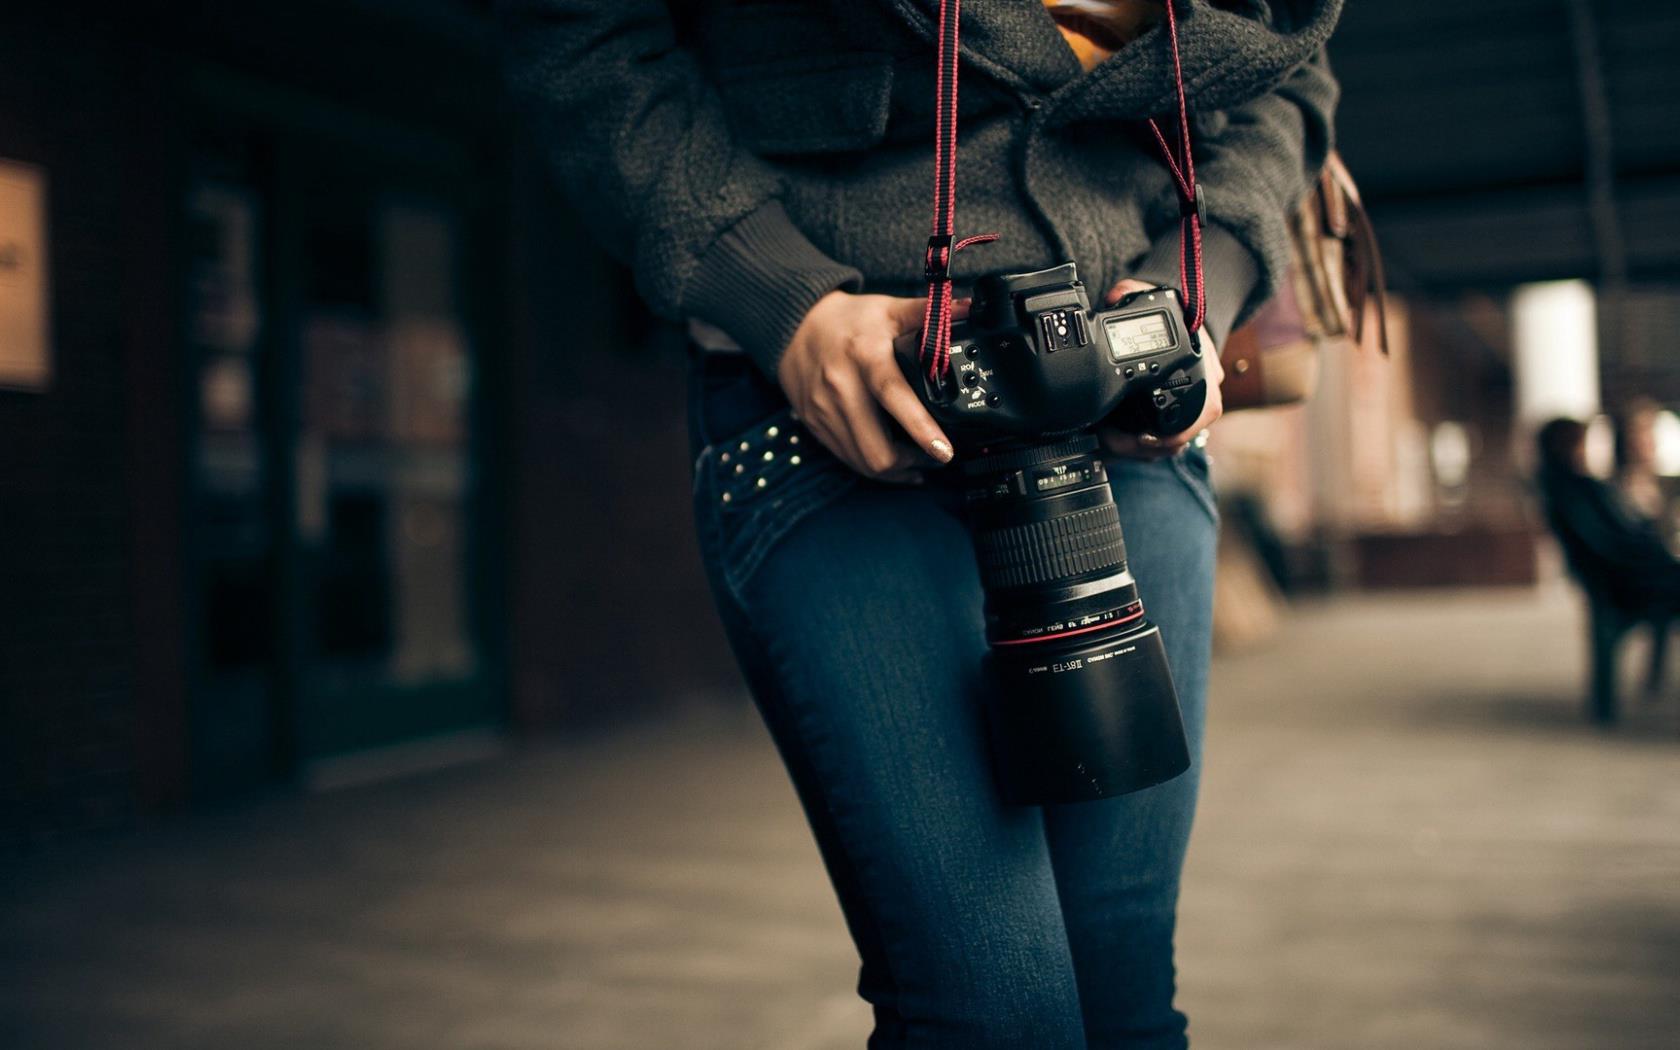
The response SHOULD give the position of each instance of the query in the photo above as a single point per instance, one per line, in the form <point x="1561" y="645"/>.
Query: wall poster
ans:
<point x="25" y="348"/>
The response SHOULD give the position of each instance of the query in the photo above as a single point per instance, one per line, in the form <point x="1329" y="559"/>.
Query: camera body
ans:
<point x="1082" y="704"/>
<point x="1032" y="359"/>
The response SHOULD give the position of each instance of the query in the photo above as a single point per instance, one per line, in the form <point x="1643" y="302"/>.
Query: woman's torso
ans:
<point x="839" y="96"/>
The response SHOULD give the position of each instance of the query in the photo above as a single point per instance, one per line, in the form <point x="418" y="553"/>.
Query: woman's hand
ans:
<point x="840" y="375"/>
<point x="1159" y="446"/>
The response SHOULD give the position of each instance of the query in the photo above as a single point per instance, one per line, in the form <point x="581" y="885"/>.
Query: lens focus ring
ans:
<point x="1065" y="546"/>
<point x="1015" y="459"/>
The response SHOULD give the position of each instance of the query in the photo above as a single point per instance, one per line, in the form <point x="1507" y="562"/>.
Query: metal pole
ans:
<point x="1608" y="242"/>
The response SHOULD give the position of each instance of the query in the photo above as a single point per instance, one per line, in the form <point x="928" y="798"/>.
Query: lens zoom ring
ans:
<point x="1044" y="551"/>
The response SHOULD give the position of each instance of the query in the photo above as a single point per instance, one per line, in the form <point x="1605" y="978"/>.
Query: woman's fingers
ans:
<point x="905" y="314"/>
<point x="835" y="442"/>
<point x="1157" y="446"/>
<point x="1140" y="446"/>
<point x="872" y="433"/>
<point x="893" y="393"/>
<point x="1213" y="407"/>
<point x="825" y="418"/>
<point x="843" y="415"/>
<point x="842" y="377"/>
<point x="1121" y="289"/>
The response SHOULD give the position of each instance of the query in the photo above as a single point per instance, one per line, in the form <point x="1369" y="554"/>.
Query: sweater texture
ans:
<point x="745" y="159"/>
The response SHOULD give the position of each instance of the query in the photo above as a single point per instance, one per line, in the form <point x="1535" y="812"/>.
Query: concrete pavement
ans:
<point x="1408" y="839"/>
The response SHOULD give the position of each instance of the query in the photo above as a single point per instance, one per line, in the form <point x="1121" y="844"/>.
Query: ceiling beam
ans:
<point x="1610" y="246"/>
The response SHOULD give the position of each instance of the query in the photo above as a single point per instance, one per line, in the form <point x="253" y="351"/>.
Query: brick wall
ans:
<point x="610" y="616"/>
<point x="93" y="680"/>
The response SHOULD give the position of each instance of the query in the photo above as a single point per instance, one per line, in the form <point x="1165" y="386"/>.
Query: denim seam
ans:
<point x="865" y="868"/>
<point x="825" y="784"/>
<point x="1199" y="488"/>
<point x="789" y="511"/>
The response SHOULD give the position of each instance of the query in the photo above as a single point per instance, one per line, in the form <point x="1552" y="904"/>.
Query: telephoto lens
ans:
<point x="1084" y="706"/>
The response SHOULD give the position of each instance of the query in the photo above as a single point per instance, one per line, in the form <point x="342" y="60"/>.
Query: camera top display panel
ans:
<point x="1138" y="335"/>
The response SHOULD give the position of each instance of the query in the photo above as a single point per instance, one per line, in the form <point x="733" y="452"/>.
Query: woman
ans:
<point x="766" y="170"/>
<point x="1609" y="541"/>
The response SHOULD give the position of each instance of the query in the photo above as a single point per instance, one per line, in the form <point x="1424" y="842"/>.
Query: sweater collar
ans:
<point x="1228" y="58"/>
<point x="1014" y="41"/>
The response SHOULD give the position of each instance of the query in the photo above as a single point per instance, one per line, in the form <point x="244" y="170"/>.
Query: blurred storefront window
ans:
<point x="383" y="476"/>
<point x="334" y="506"/>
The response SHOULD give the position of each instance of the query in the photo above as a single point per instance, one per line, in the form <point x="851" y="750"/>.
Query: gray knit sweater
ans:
<point x="746" y="157"/>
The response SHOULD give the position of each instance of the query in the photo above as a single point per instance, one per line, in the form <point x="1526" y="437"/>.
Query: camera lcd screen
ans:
<point x="1138" y="335"/>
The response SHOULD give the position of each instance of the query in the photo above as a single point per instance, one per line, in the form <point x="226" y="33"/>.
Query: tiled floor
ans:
<point x="1407" y="840"/>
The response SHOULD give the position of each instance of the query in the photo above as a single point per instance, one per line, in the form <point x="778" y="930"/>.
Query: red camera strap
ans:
<point x="936" y="266"/>
<point x="1191" y="209"/>
<point x="942" y="246"/>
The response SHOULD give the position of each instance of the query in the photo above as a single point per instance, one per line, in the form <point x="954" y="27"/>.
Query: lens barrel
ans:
<point x="1085" y="706"/>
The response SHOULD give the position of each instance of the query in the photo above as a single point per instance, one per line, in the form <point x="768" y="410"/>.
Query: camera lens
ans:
<point x="1085" y="707"/>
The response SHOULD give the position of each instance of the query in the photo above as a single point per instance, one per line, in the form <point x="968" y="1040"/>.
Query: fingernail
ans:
<point x="1148" y="439"/>
<point x="942" y="450"/>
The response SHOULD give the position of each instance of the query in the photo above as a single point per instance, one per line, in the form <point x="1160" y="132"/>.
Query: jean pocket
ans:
<point x="1193" y="468"/>
<point x="754" y="487"/>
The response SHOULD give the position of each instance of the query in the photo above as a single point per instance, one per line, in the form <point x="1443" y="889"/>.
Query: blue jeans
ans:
<point x="854" y="609"/>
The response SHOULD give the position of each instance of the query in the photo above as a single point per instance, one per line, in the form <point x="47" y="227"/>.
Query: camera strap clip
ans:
<point x="937" y="266"/>
<point x="936" y="319"/>
<point x="1194" y="206"/>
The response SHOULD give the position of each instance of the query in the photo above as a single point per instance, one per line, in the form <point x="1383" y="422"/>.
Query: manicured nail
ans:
<point x="942" y="450"/>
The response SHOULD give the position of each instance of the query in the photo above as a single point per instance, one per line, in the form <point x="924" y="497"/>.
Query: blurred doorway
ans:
<point x="337" y="569"/>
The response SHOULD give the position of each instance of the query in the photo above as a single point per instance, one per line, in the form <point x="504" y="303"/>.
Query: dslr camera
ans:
<point x="1085" y="706"/>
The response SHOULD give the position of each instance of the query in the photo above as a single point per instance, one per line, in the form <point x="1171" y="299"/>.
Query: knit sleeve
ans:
<point x="640" y="146"/>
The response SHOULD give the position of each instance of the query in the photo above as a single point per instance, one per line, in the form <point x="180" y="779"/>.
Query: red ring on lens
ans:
<point x="1068" y="634"/>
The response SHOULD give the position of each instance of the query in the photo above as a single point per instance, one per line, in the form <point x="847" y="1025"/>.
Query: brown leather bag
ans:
<point x="1336" y="272"/>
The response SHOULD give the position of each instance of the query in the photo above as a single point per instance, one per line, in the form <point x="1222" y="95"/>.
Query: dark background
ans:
<point x="1496" y="142"/>
<point x="359" y="685"/>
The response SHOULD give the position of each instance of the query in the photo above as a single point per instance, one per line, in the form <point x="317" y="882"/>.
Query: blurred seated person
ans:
<point x="1609" y="542"/>
<point x="1636" y="477"/>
